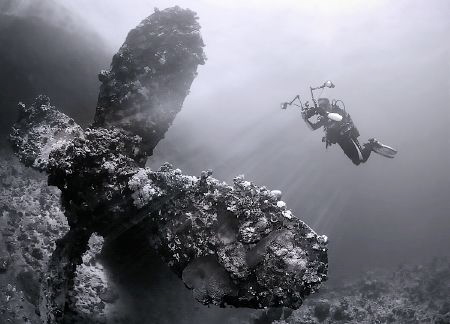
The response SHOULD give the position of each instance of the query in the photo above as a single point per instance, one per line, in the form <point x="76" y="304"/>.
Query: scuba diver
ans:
<point x="339" y="127"/>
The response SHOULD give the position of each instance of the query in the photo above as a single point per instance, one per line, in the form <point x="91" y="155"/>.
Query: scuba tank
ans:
<point x="334" y="116"/>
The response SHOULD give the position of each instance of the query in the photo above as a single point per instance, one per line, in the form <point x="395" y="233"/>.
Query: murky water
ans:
<point x="390" y="64"/>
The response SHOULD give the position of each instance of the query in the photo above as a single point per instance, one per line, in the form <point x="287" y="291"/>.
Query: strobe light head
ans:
<point x="328" y="84"/>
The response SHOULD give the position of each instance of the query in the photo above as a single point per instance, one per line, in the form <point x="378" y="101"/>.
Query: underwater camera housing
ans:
<point x="308" y="111"/>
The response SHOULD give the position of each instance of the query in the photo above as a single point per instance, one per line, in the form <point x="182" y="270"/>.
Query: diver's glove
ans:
<point x="304" y="114"/>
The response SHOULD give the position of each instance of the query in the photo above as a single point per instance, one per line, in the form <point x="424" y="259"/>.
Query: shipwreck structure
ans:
<point x="231" y="244"/>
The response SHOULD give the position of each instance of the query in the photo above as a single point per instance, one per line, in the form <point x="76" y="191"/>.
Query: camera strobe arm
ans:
<point x="297" y="97"/>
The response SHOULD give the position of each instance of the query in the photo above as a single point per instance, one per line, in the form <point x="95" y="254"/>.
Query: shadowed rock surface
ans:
<point x="410" y="294"/>
<point x="236" y="245"/>
<point x="31" y="222"/>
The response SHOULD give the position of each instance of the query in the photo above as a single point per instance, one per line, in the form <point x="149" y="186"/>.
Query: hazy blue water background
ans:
<point x="390" y="61"/>
<point x="391" y="65"/>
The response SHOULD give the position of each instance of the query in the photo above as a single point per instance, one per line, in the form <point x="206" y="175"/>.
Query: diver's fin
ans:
<point x="384" y="154"/>
<point x="383" y="150"/>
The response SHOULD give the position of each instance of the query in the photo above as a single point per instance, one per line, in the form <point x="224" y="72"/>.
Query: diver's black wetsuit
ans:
<point x="344" y="133"/>
<point x="354" y="151"/>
